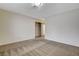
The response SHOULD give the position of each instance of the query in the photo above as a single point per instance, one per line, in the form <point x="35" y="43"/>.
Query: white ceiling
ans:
<point x="45" y="11"/>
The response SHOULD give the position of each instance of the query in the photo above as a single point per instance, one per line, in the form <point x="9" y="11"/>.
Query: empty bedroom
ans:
<point x="43" y="29"/>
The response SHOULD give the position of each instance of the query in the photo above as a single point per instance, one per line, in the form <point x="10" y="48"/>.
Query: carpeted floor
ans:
<point x="38" y="48"/>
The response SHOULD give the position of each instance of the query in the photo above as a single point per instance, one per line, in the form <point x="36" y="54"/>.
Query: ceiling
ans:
<point x="45" y="11"/>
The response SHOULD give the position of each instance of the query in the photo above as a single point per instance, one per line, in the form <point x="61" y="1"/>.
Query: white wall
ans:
<point x="64" y="27"/>
<point x="15" y="27"/>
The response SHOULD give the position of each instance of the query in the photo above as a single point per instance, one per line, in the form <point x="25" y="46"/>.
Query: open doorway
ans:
<point x="39" y="30"/>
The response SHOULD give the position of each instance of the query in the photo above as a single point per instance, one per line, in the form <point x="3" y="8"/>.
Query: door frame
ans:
<point x="42" y="29"/>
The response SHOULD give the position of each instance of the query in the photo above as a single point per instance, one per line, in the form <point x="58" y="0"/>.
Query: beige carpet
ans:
<point x="38" y="48"/>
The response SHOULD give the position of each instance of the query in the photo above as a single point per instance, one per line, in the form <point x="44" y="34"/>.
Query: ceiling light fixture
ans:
<point x="37" y="4"/>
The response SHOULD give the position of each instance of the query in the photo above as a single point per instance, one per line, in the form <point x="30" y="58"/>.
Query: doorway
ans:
<point x="39" y="30"/>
